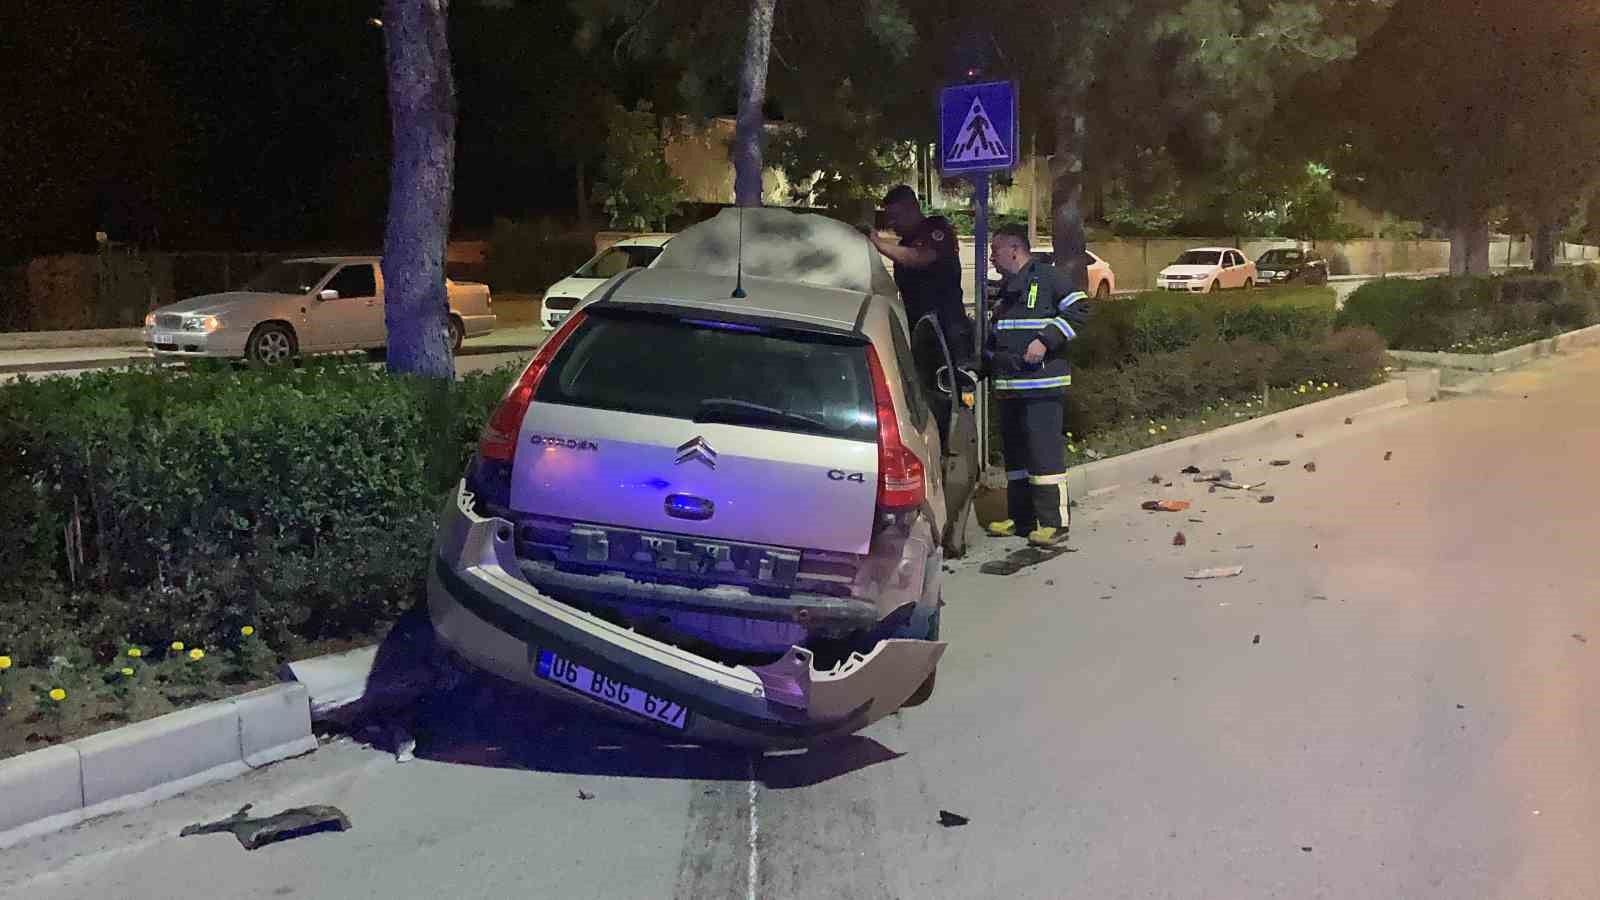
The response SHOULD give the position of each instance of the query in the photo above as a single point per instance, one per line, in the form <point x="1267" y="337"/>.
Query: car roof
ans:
<point x="766" y="299"/>
<point x="1210" y="249"/>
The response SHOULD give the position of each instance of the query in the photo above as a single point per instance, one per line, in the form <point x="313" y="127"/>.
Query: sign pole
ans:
<point x="980" y="305"/>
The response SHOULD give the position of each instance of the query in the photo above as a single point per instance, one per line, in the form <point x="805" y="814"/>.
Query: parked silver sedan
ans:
<point x="301" y="306"/>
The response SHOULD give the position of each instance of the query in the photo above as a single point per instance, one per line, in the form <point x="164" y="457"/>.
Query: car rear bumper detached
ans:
<point x="489" y="615"/>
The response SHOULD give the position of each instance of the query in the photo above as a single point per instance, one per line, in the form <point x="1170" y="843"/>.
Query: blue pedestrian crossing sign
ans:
<point x="978" y="128"/>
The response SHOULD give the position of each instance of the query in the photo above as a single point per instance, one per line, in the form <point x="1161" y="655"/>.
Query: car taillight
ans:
<point x="900" y="474"/>
<point x="498" y="439"/>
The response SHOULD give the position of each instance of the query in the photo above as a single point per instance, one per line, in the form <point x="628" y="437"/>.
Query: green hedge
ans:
<point x="1454" y="313"/>
<point x="527" y="257"/>
<point x="1157" y="355"/>
<point x="299" y="502"/>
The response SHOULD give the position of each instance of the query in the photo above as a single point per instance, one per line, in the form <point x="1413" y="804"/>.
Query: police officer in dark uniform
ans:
<point x="927" y="268"/>
<point x="1025" y="357"/>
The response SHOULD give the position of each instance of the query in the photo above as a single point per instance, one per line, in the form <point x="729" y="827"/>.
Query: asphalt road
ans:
<point x="1418" y="719"/>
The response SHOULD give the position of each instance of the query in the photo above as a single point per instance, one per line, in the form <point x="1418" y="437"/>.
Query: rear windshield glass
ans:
<point x="664" y="366"/>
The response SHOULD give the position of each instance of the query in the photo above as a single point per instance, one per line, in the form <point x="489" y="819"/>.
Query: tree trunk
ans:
<point x="747" y="131"/>
<point x="1469" y="246"/>
<point x="422" y="117"/>
<point x="1545" y="243"/>
<point x="1066" y="192"/>
<point x="584" y="223"/>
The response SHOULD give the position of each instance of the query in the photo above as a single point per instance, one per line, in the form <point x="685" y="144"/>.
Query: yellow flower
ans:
<point x="135" y="652"/>
<point x="177" y="646"/>
<point x="197" y="654"/>
<point x="1302" y="389"/>
<point x="248" y="630"/>
<point x="128" y="671"/>
<point x="1163" y="428"/>
<point x="1336" y="384"/>
<point x="5" y="663"/>
<point x="1069" y="434"/>
<point x="57" y="694"/>
<point x="1071" y="448"/>
<point x="1152" y="431"/>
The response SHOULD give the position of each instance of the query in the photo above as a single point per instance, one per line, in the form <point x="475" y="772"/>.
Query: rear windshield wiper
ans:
<point x="743" y="412"/>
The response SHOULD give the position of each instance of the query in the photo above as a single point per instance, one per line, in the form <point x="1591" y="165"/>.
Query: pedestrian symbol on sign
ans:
<point x="977" y="140"/>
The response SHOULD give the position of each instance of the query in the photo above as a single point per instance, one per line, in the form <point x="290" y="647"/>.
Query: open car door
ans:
<point x="953" y="396"/>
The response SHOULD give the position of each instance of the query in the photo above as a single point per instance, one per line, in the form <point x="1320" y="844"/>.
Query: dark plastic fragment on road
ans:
<point x="1189" y="470"/>
<point x="1388" y="455"/>
<point x="289" y="824"/>
<point x="1310" y="467"/>
<point x="1267" y="498"/>
<point x="1349" y="421"/>
<point x="1299" y="434"/>
<point x="1580" y="638"/>
<point x="1256" y="639"/>
<point x="584" y="795"/>
<point x="1155" y="479"/>
<point x="1279" y="462"/>
<point x="1178" y="540"/>
<point x="1460" y="706"/>
<point x="1049" y="582"/>
<point x="951" y="820"/>
<point x="1305" y="849"/>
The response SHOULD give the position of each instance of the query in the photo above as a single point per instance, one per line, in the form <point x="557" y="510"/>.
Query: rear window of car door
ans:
<point x="661" y="365"/>
<point x="355" y="281"/>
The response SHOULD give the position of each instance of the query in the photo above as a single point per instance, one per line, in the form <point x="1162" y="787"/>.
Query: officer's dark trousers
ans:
<point x="1036" y="459"/>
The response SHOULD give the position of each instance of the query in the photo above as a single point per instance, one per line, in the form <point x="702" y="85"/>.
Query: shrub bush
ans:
<point x="299" y="502"/>
<point x="527" y="257"/>
<point x="1444" y="313"/>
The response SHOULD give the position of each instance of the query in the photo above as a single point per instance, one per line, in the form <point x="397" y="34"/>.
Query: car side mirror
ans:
<point x="328" y="294"/>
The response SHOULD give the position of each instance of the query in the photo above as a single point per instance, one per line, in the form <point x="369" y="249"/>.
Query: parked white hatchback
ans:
<point x="301" y="306"/>
<point x="636" y="252"/>
<point x="1205" y="269"/>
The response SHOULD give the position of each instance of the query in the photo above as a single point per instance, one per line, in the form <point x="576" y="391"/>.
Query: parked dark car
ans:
<point x="1286" y="264"/>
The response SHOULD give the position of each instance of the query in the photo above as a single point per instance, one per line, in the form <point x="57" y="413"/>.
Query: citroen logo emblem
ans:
<point x="697" y="449"/>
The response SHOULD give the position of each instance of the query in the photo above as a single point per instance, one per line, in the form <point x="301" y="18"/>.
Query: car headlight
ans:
<point x="202" y="323"/>
<point x="150" y="320"/>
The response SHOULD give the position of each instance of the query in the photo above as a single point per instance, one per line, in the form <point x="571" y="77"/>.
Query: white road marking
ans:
<point x="755" y="834"/>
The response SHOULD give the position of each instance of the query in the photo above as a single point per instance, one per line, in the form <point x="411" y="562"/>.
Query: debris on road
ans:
<point x="1244" y="546"/>
<point x="951" y="820"/>
<point x="1256" y="639"/>
<point x="1198" y="521"/>
<point x="1155" y="479"/>
<point x="1388" y="455"/>
<point x="1299" y="434"/>
<point x="1460" y="706"/>
<point x="1267" y="498"/>
<point x="1223" y="572"/>
<point x="291" y="823"/>
<point x="405" y="746"/>
<point x="1279" y="462"/>
<point x="1310" y="467"/>
<point x="1178" y="540"/>
<point x="1580" y="638"/>
<point x="1349" y="421"/>
<point x="1214" y="475"/>
<point x="1105" y="596"/>
<point x="1236" y="486"/>
<point x="1189" y="470"/>
<point x="1165" y="505"/>
<point x="584" y="795"/>
<point x="1049" y="582"/>
<point x="1308" y="849"/>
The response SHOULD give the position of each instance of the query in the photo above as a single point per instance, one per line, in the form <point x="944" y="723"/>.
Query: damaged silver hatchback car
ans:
<point x="717" y="500"/>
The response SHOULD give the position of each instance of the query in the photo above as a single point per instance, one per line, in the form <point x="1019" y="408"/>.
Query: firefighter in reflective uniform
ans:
<point x="1036" y="314"/>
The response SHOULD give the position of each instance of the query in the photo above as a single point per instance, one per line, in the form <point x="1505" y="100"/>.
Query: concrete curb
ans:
<point x="136" y="765"/>
<point x="66" y="340"/>
<point x="1505" y="359"/>
<point x="1203" y="449"/>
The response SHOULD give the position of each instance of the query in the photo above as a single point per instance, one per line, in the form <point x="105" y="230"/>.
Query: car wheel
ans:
<point x="955" y="538"/>
<point x="1216" y="287"/>
<point x="1103" y="292"/>
<point x="925" y="690"/>
<point x="458" y="333"/>
<point x="272" y="344"/>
